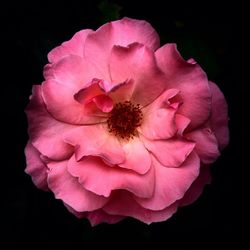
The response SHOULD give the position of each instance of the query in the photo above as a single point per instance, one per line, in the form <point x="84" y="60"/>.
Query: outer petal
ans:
<point x="95" y="141"/>
<point x="99" y="216"/>
<point x="74" y="46"/>
<point x="197" y="187"/>
<point x="190" y="79"/>
<point x="36" y="167"/>
<point x="123" y="32"/>
<point x="137" y="157"/>
<point x="219" y="116"/>
<point x="206" y="145"/>
<point x="171" y="183"/>
<point x="97" y="177"/>
<point x="67" y="188"/>
<point x="138" y="63"/>
<point x="122" y="203"/>
<point x="45" y="132"/>
<point x="172" y="152"/>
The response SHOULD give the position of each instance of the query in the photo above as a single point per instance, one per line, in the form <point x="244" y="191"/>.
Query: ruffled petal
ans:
<point x="137" y="157"/>
<point x="182" y="123"/>
<point x="159" y="117"/>
<point x="138" y="63"/>
<point x="172" y="152"/>
<point x="74" y="46"/>
<point x="99" y="178"/>
<point x="36" y="168"/>
<point x="45" y="132"/>
<point x="61" y="104"/>
<point x="68" y="189"/>
<point x="122" y="203"/>
<point x="197" y="187"/>
<point x="95" y="140"/>
<point x="190" y="79"/>
<point x="171" y="184"/>
<point x="99" y="216"/>
<point x="206" y="145"/>
<point x="122" y="32"/>
<point x="219" y="116"/>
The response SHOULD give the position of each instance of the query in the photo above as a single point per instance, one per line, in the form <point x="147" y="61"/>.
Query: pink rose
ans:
<point x="122" y="127"/>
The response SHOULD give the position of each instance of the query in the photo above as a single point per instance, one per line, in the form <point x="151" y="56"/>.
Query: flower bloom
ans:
<point x="122" y="127"/>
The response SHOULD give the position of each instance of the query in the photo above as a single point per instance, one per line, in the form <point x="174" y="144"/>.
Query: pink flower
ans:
<point x="122" y="127"/>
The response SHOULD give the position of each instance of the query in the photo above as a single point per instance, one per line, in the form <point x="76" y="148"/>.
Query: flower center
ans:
<point x="124" y="119"/>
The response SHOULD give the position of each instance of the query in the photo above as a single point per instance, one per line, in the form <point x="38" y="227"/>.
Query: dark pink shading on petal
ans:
<point x="206" y="145"/>
<point x="197" y="187"/>
<point x="171" y="184"/>
<point x="68" y="189"/>
<point x="74" y="46"/>
<point x="138" y="63"/>
<point x="137" y="157"/>
<point x="219" y="116"/>
<point x="95" y="140"/>
<point x="122" y="203"/>
<point x="99" y="178"/>
<point x="99" y="216"/>
<point x="182" y="123"/>
<point x="36" y="168"/>
<point x="122" y="32"/>
<point x="45" y="132"/>
<point x="171" y="152"/>
<point x="190" y="79"/>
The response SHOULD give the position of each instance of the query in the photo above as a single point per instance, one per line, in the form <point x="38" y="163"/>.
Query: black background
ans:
<point x="33" y="218"/>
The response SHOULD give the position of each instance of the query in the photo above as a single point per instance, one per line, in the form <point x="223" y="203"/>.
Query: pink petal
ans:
<point x="61" y="104"/>
<point x="123" y="204"/>
<point x="138" y="63"/>
<point x="123" y="32"/>
<point x="159" y="117"/>
<point x="68" y="189"/>
<point x="95" y="140"/>
<point x="36" y="167"/>
<point x="104" y="103"/>
<point x="197" y="187"/>
<point x="171" y="184"/>
<point x="219" y="117"/>
<point x="74" y="46"/>
<point x="137" y="157"/>
<point x="182" y="123"/>
<point x="45" y="132"/>
<point x="99" y="178"/>
<point x="171" y="152"/>
<point x="79" y="215"/>
<point x="206" y="145"/>
<point x="190" y="79"/>
<point x="99" y="216"/>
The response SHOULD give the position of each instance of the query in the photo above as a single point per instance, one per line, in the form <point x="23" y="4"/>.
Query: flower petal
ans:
<point x="72" y="47"/>
<point x="59" y="100"/>
<point x="68" y="189"/>
<point x="122" y="32"/>
<point x="206" y="145"/>
<point x="45" y="132"/>
<point x="99" y="178"/>
<point x="36" y="168"/>
<point x="138" y="63"/>
<point x="96" y="141"/>
<point x="99" y="216"/>
<point x="171" y="152"/>
<point x="197" y="187"/>
<point x="137" y="157"/>
<point x="171" y="184"/>
<point x="190" y="79"/>
<point x="182" y="123"/>
<point x="122" y="203"/>
<point x="219" y="116"/>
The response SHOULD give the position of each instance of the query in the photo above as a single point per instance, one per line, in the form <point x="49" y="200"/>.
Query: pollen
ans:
<point x="124" y="120"/>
